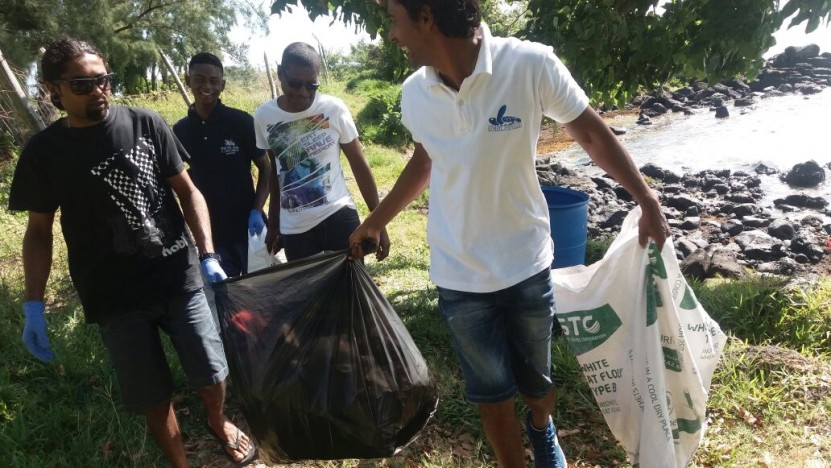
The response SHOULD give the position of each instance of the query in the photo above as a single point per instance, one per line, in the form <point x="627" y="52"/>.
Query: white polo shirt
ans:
<point x="488" y="225"/>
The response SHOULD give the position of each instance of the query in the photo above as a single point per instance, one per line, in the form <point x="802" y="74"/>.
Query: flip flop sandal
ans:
<point x="233" y="446"/>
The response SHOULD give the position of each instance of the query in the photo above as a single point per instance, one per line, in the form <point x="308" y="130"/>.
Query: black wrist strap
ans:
<point x="208" y="255"/>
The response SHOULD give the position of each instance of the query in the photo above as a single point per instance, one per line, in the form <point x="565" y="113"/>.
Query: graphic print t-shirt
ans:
<point x="123" y="228"/>
<point x="306" y="146"/>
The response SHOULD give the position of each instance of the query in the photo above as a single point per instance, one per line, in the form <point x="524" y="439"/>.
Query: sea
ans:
<point x="778" y="132"/>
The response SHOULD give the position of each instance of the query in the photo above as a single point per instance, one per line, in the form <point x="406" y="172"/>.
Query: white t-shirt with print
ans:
<point x="307" y="149"/>
<point x="488" y="225"/>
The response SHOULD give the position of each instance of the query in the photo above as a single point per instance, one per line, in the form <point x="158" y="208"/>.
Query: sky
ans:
<point x="296" y="26"/>
<point x="293" y="27"/>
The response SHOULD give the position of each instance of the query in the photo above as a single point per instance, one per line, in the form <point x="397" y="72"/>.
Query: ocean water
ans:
<point x="778" y="132"/>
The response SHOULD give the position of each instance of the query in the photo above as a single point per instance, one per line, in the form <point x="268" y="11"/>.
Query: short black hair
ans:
<point x="206" y="58"/>
<point x="60" y="52"/>
<point x="454" y="18"/>
<point x="302" y="55"/>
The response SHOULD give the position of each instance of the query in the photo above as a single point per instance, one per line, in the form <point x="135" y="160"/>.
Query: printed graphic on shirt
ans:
<point x="229" y="147"/>
<point x="132" y="178"/>
<point x="502" y="122"/>
<point x="304" y="179"/>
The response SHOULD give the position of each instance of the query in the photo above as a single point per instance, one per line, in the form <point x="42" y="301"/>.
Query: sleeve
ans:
<point x="260" y="135"/>
<point x="561" y="97"/>
<point x="406" y="110"/>
<point x="30" y="190"/>
<point x="250" y="138"/>
<point x="344" y="123"/>
<point x="172" y="152"/>
<point x="179" y="130"/>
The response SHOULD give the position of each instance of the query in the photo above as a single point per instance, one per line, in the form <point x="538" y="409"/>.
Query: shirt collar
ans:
<point x="484" y="61"/>
<point x="214" y="114"/>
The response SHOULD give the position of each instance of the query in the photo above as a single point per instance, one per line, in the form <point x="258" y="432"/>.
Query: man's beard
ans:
<point x="97" y="115"/>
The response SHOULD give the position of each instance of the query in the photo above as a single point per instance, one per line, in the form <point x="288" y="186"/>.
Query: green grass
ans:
<point x="770" y="401"/>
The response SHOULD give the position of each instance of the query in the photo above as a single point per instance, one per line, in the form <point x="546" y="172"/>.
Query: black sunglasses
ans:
<point x="81" y="86"/>
<point x="297" y="84"/>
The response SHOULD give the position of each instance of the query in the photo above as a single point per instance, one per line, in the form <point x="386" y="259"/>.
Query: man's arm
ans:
<point x="37" y="263"/>
<point x="605" y="149"/>
<point x="263" y="164"/>
<point x="366" y="184"/>
<point x="412" y="181"/>
<point x="37" y="255"/>
<point x="272" y="238"/>
<point x="194" y="209"/>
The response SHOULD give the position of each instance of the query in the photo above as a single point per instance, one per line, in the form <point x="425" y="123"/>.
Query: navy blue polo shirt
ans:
<point x="221" y="150"/>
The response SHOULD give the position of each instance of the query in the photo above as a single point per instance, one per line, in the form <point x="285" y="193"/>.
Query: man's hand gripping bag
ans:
<point x="646" y="346"/>
<point x="321" y="365"/>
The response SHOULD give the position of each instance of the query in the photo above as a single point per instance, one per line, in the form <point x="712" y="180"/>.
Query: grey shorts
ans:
<point x="135" y="348"/>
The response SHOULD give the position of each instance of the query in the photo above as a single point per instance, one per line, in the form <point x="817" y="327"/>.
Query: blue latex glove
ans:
<point x="256" y="222"/>
<point x="212" y="270"/>
<point x="34" y="330"/>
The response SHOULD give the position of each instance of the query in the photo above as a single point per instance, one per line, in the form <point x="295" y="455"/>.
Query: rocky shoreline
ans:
<point x="720" y="227"/>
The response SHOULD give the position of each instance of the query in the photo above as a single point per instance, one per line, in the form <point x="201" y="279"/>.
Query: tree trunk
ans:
<point x="29" y="119"/>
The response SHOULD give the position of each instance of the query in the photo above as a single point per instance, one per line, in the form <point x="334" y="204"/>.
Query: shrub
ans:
<point x="380" y="119"/>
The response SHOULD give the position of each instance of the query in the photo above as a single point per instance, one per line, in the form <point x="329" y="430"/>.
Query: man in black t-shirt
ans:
<point x="112" y="172"/>
<point x="220" y="141"/>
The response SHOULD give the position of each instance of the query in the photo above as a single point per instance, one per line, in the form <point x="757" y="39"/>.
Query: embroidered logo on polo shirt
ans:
<point x="230" y="147"/>
<point x="502" y="122"/>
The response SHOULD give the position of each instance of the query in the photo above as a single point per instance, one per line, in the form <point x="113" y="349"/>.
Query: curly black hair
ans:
<point x="60" y="52"/>
<point x="454" y="18"/>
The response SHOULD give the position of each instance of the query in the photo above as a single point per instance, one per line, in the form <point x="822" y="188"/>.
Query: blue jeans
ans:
<point x="503" y="338"/>
<point x="135" y="348"/>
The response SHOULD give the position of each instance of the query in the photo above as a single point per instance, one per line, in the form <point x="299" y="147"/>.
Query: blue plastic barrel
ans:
<point x="569" y="213"/>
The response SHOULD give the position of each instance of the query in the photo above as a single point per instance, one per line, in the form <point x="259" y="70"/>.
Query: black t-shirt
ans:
<point x="221" y="149"/>
<point x="124" y="231"/>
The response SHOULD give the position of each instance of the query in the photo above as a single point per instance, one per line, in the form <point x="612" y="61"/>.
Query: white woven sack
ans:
<point x="646" y="346"/>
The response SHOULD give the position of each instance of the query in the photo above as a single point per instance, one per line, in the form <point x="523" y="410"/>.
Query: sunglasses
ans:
<point x="81" y="86"/>
<point x="297" y="84"/>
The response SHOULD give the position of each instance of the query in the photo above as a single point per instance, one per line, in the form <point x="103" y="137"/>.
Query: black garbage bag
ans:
<point x="322" y="366"/>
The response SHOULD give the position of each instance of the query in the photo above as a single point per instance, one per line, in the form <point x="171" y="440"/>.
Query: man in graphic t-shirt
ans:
<point x="112" y="172"/>
<point x="304" y="131"/>
<point x="220" y="141"/>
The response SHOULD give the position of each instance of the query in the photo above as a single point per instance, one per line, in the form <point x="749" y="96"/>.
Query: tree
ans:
<point x="128" y="32"/>
<point x="615" y="46"/>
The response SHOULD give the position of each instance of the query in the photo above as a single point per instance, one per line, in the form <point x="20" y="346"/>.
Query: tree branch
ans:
<point x="150" y="8"/>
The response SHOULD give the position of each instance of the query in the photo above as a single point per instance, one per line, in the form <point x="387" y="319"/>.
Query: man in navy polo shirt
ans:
<point x="221" y="144"/>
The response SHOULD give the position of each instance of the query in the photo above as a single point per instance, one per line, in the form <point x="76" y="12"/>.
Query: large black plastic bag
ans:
<point x="321" y="364"/>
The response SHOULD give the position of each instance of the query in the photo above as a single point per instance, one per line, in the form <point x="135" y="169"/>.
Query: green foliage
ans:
<point x="614" y="46"/>
<point x="596" y="247"/>
<point x="380" y="119"/>
<point x="761" y="311"/>
<point x="129" y="33"/>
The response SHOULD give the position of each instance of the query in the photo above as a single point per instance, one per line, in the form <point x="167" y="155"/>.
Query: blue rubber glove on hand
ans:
<point x="256" y="222"/>
<point x="34" y="330"/>
<point x="212" y="270"/>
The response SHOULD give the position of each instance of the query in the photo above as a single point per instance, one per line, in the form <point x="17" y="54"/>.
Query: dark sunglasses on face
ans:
<point x="297" y="84"/>
<point x="81" y="86"/>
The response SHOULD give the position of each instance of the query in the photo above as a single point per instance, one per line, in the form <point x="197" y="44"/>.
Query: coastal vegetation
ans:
<point x="769" y="403"/>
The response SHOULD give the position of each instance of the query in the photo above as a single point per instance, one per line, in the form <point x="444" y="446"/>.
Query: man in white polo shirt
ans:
<point x="474" y="109"/>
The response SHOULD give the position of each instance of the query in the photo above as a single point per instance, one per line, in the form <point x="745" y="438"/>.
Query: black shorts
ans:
<point x="330" y="234"/>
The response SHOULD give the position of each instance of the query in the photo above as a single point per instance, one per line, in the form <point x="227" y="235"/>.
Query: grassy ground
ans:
<point x="769" y="404"/>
